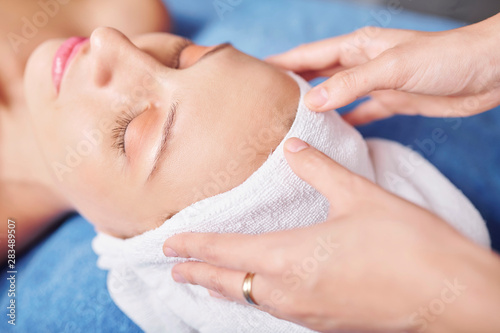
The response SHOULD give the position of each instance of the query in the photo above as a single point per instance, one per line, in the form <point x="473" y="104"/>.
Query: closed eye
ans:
<point x="122" y="122"/>
<point x="125" y="118"/>
<point x="165" y="138"/>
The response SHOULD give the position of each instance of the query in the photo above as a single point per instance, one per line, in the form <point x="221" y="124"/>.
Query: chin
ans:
<point x="38" y="87"/>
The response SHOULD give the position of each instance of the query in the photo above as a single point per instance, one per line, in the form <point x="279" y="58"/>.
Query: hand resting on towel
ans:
<point x="378" y="264"/>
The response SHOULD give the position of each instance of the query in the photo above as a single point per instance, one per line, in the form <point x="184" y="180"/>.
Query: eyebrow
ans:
<point x="214" y="51"/>
<point x="171" y="117"/>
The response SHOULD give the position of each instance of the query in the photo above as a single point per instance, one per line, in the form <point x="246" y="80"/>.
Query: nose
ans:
<point x="114" y="57"/>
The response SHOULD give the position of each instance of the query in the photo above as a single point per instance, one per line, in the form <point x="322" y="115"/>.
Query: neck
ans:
<point x="22" y="167"/>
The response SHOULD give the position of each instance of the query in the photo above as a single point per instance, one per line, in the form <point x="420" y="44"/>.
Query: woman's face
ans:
<point x="140" y="129"/>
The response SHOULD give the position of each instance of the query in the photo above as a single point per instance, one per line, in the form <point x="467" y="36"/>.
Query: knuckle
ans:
<point x="209" y="250"/>
<point x="353" y="185"/>
<point x="179" y="242"/>
<point x="296" y="52"/>
<point x="359" y="33"/>
<point x="215" y="282"/>
<point x="278" y="262"/>
<point x="393" y="63"/>
<point x="313" y="163"/>
<point x="367" y="34"/>
<point x="185" y="271"/>
<point x="368" y="30"/>
<point x="301" y="53"/>
<point x="348" y="79"/>
<point x="392" y="58"/>
<point x="293" y="309"/>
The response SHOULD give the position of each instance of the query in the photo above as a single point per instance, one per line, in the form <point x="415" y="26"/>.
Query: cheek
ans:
<point x="95" y="178"/>
<point x="213" y="149"/>
<point x="210" y="153"/>
<point x="75" y="148"/>
<point x="76" y="158"/>
<point x="96" y="187"/>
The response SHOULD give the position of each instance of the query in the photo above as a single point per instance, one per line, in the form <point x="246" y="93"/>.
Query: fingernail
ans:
<point x="317" y="97"/>
<point x="169" y="252"/>
<point x="178" y="278"/>
<point x="215" y="294"/>
<point x="295" y="145"/>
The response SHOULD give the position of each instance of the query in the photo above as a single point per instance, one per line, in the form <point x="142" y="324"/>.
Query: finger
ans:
<point x="346" y="50"/>
<point x="225" y="282"/>
<point x="335" y="182"/>
<point x="400" y="102"/>
<point x="233" y="251"/>
<point x="311" y="57"/>
<point x="367" y="112"/>
<point x="215" y="294"/>
<point x="386" y="103"/>
<point x="434" y="106"/>
<point x="310" y="75"/>
<point x="347" y="86"/>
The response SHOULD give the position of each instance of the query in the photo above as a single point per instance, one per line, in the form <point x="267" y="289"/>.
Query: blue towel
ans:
<point x="59" y="289"/>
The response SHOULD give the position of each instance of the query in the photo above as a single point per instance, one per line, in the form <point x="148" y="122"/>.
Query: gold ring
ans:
<point x="247" y="288"/>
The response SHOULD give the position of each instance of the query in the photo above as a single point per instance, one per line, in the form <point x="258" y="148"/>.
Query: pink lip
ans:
<point x="64" y="55"/>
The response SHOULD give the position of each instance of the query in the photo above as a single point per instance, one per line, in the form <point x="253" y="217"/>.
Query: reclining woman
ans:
<point x="26" y="190"/>
<point x="154" y="135"/>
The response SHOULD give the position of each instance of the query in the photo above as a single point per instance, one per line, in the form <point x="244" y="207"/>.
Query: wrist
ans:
<point x="482" y="40"/>
<point x="476" y="304"/>
<point x="487" y="33"/>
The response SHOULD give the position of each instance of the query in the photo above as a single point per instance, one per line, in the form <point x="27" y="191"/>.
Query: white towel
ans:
<point x="272" y="199"/>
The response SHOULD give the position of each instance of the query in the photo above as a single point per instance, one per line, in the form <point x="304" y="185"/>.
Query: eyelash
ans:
<point x="122" y="122"/>
<point x="178" y="51"/>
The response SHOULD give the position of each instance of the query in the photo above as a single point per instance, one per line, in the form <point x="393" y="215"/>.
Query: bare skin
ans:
<point x="155" y="119"/>
<point x="27" y="193"/>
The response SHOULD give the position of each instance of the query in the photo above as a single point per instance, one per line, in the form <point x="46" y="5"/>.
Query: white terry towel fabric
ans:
<point x="272" y="199"/>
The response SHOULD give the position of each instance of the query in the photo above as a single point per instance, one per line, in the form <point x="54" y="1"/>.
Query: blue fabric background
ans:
<point x="59" y="288"/>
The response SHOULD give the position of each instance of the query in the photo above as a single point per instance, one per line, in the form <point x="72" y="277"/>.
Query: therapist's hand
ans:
<point x="379" y="263"/>
<point x="452" y="73"/>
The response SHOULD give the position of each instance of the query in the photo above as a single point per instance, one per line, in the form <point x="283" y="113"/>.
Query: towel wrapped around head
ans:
<point x="271" y="199"/>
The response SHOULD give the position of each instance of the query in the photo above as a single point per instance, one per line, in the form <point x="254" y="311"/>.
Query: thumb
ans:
<point x="321" y="172"/>
<point x="345" y="87"/>
<point x="314" y="56"/>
